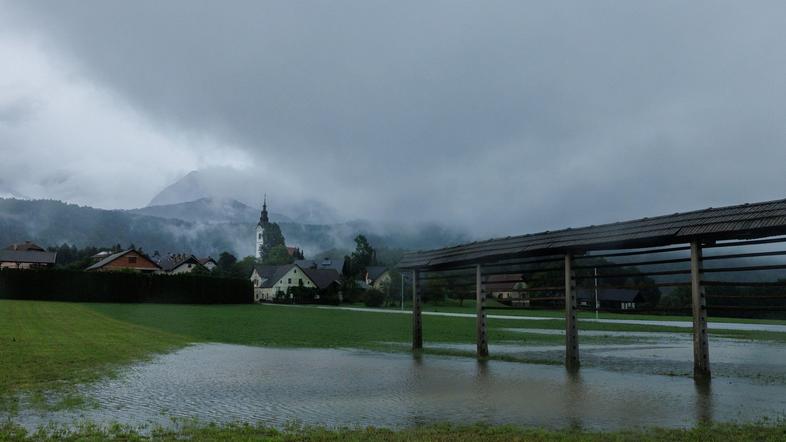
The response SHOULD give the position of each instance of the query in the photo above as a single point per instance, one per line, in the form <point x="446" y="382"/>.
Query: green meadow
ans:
<point x="51" y="345"/>
<point x="47" y="348"/>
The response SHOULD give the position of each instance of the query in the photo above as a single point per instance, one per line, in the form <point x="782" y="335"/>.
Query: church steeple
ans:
<point x="263" y="219"/>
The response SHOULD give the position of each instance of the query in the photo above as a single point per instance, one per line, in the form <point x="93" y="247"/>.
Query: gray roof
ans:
<point x="375" y="272"/>
<point x="207" y="259"/>
<point x="621" y="295"/>
<point x="169" y="263"/>
<point x="327" y="263"/>
<point x="28" y="256"/>
<point x="274" y="274"/>
<point x="732" y="222"/>
<point x="323" y="278"/>
<point x="26" y="246"/>
<point x="107" y="260"/>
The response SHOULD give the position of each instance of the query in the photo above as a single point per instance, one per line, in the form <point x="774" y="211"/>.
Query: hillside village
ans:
<point x="278" y="272"/>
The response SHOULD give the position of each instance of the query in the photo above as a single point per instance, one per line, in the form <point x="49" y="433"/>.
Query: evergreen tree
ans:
<point x="278" y="255"/>
<point x="273" y="237"/>
<point x="362" y="257"/>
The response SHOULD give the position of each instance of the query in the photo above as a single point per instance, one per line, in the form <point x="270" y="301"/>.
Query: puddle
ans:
<point x="228" y="383"/>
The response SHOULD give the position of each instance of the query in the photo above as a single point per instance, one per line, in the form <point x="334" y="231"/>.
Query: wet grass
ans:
<point x="478" y="432"/>
<point x="49" y="346"/>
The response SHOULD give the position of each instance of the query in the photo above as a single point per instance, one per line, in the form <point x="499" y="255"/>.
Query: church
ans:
<point x="268" y="235"/>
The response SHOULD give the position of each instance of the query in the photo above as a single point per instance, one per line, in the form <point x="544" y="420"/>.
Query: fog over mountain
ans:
<point x="223" y="183"/>
<point x="498" y="117"/>
<point x="204" y="227"/>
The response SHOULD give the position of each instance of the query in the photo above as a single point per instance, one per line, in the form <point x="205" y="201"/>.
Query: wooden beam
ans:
<point x="571" y="326"/>
<point x="701" y="355"/>
<point x="417" y="321"/>
<point x="480" y="300"/>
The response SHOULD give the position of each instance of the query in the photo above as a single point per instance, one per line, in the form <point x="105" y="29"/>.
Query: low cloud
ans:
<point x="504" y="117"/>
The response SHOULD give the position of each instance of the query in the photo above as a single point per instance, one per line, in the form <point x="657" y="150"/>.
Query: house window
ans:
<point x="132" y="259"/>
<point x="260" y="236"/>
<point x="300" y="282"/>
<point x="289" y="280"/>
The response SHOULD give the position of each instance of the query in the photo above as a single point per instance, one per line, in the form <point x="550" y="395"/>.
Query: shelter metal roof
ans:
<point x="732" y="222"/>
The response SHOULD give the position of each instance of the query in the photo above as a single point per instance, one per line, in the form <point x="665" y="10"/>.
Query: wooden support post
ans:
<point x="417" y="322"/>
<point x="571" y="326"/>
<point x="701" y="354"/>
<point x="480" y="301"/>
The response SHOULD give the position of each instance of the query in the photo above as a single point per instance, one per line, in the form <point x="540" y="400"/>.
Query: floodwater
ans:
<point x="230" y="383"/>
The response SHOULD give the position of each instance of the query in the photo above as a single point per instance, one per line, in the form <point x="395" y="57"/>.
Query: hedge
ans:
<point x="125" y="287"/>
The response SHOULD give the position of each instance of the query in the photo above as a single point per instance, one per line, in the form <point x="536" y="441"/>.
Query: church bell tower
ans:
<point x="263" y="222"/>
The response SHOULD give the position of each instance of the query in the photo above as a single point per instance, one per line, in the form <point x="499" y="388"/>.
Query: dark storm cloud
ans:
<point x="503" y="116"/>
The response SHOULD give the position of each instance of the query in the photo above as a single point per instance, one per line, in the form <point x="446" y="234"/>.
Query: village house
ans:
<point x="610" y="299"/>
<point x="377" y="277"/>
<point x="175" y="264"/>
<point x="270" y="281"/>
<point x="26" y="255"/>
<point x="508" y="289"/>
<point x="128" y="260"/>
<point x="209" y="263"/>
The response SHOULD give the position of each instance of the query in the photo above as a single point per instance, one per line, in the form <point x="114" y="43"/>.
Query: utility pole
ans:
<point x="597" y="304"/>
<point x="402" y="291"/>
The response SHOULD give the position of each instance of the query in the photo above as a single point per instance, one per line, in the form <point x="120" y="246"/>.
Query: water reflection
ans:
<point x="574" y="397"/>
<point x="703" y="399"/>
<point x="224" y="383"/>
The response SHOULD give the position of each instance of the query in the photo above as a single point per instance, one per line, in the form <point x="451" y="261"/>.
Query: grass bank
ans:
<point x="707" y="433"/>
<point x="50" y="345"/>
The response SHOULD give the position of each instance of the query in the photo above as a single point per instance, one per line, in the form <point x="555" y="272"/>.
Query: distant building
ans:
<point x="175" y="264"/>
<point x="506" y="288"/>
<point x="610" y="299"/>
<point x="377" y="277"/>
<point x="269" y="281"/>
<point x="130" y="260"/>
<point x="26" y="255"/>
<point x="266" y="231"/>
<point x="209" y="263"/>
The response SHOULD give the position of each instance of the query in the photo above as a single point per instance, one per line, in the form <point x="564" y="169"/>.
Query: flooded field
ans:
<point x="227" y="383"/>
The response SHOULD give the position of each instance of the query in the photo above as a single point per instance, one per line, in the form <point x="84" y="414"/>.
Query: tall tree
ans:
<point x="362" y="257"/>
<point x="273" y="237"/>
<point x="278" y="255"/>
<point x="226" y="261"/>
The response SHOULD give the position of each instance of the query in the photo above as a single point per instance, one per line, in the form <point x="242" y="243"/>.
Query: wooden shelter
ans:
<point x="741" y="225"/>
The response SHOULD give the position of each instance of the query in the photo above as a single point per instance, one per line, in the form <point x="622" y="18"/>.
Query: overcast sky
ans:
<point x="501" y="117"/>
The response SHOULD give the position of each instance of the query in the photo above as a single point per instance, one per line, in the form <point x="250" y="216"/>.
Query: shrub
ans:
<point x="124" y="287"/>
<point x="374" y="298"/>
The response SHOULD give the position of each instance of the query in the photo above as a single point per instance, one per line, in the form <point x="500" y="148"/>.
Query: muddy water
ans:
<point x="223" y="383"/>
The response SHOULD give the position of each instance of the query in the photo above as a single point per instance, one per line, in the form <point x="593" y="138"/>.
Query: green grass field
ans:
<point x="50" y="344"/>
